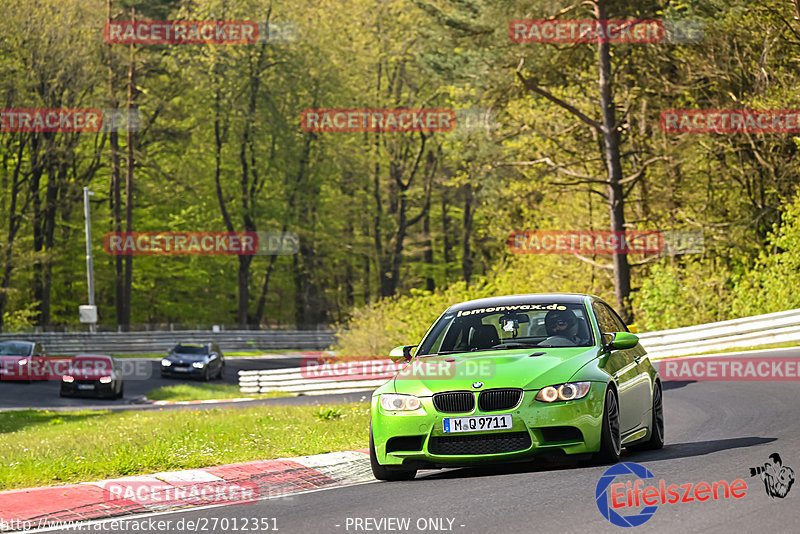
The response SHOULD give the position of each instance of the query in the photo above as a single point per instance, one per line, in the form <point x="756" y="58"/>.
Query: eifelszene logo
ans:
<point x="615" y="497"/>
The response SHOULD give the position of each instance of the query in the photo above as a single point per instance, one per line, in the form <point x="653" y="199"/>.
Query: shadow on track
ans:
<point x="669" y="452"/>
<point x="675" y="384"/>
<point x="697" y="448"/>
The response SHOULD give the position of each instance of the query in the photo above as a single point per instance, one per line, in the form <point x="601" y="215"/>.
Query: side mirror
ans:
<point x="401" y="353"/>
<point x="633" y="329"/>
<point x="620" y="340"/>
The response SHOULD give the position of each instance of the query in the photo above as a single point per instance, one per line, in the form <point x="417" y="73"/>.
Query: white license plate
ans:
<point x="477" y="423"/>
<point x="85" y="386"/>
<point x="181" y="369"/>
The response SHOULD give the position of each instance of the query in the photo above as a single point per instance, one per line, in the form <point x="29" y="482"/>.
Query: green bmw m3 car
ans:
<point x="513" y="378"/>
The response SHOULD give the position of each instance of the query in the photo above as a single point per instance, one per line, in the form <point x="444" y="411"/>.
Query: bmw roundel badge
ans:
<point x="477" y="385"/>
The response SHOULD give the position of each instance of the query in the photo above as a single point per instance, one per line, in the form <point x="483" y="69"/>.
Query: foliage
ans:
<point x="385" y="249"/>
<point x="771" y="283"/>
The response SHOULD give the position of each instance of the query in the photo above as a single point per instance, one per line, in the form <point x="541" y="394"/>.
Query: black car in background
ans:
<point x="16" y="359"/>
<point x="198" y="360"/>
<point x="93" y="375"/>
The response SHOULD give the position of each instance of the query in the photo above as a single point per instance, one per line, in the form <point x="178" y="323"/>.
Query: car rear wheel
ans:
<point x="383" y="472"/>
<point x="610" y="444"/>
<point x="656" y="440"/>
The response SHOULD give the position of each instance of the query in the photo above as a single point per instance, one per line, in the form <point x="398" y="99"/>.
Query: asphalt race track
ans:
<point x="143" y="375"/>
<point x="714" y="431"/>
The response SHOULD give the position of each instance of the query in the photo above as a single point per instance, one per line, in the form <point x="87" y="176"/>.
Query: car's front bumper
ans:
<point x="72" y="389"/>
<point x="193" y="372"/>
<point x="539" y="428"/>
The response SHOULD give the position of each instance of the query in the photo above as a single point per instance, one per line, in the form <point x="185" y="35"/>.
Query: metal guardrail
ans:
<point x="756" y="331"/>
<point x="66" y="343"/>
<point x="753" y="331"/>
<point x="320" y="378"/>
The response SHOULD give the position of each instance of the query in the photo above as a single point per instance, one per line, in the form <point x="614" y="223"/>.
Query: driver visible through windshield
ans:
<point x="509" y="327"/>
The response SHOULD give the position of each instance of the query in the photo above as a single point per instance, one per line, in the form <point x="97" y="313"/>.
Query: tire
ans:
<point x="610" y="442"/>
<point x="221" y="373"/>
<point x="121" y="390"/>
<point x="206" y="375"/>
<point x="656" y="440"/>
<point x="382" y="472"/>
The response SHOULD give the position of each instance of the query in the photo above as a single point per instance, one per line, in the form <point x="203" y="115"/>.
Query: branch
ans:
<point x="583" y="177"/>
<point x="592" y="262"/>
<point x="649" y="259"/>
<point x="638" y="174"/>
<point x="532" y="86"/>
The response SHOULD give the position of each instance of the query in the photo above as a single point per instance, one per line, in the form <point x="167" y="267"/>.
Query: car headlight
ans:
<point x="564" y="392"/>
<point x="399" y="403"/>
<point x="23" y="361"/>
<point x="105" y="379"/>
<point x="67" y="379"/>
<point x="165" y="363"/>
<point x="198" y="365"/>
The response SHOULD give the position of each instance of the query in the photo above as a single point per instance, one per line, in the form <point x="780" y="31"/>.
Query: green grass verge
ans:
<point x="40" y="448"/>
<point x="188" y="392"/>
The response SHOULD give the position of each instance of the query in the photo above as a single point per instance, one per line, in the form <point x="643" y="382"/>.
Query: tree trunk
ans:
<point x="126" y="316"/>
<point x="37" y="169"/>
<point x="466" y="252"/>
<point x="616" y="203"/>
<point x="115" y="198"/>
<point x="13" y="225"/>
<point x="430" y="282"/>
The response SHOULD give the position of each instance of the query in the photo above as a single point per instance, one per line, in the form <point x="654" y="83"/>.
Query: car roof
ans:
<point x="530" y="298"/>
<point x="17" y="341"/>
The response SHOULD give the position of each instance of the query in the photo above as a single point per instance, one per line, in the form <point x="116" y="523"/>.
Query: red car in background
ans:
<point x="16" y="358"/>
<point x="93" y="375"/>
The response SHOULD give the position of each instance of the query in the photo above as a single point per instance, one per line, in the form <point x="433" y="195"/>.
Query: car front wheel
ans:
<point x="383" y="472"/>
<point x="610" y="444"/>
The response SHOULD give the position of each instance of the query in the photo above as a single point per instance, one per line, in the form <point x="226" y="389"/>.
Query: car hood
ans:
<point x="495" y="369"/>
<point x="187" y="358"/>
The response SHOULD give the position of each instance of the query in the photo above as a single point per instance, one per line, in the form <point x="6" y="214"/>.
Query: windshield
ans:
<point x="12" y="348"/>
<point x="190" y="349"/>
<point x="509" y="327"/>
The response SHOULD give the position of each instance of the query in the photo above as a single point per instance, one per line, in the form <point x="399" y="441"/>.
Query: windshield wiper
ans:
<point x="442" y="352"/>
<point x="513" y="345"/>
<point x="501" y="346"/>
